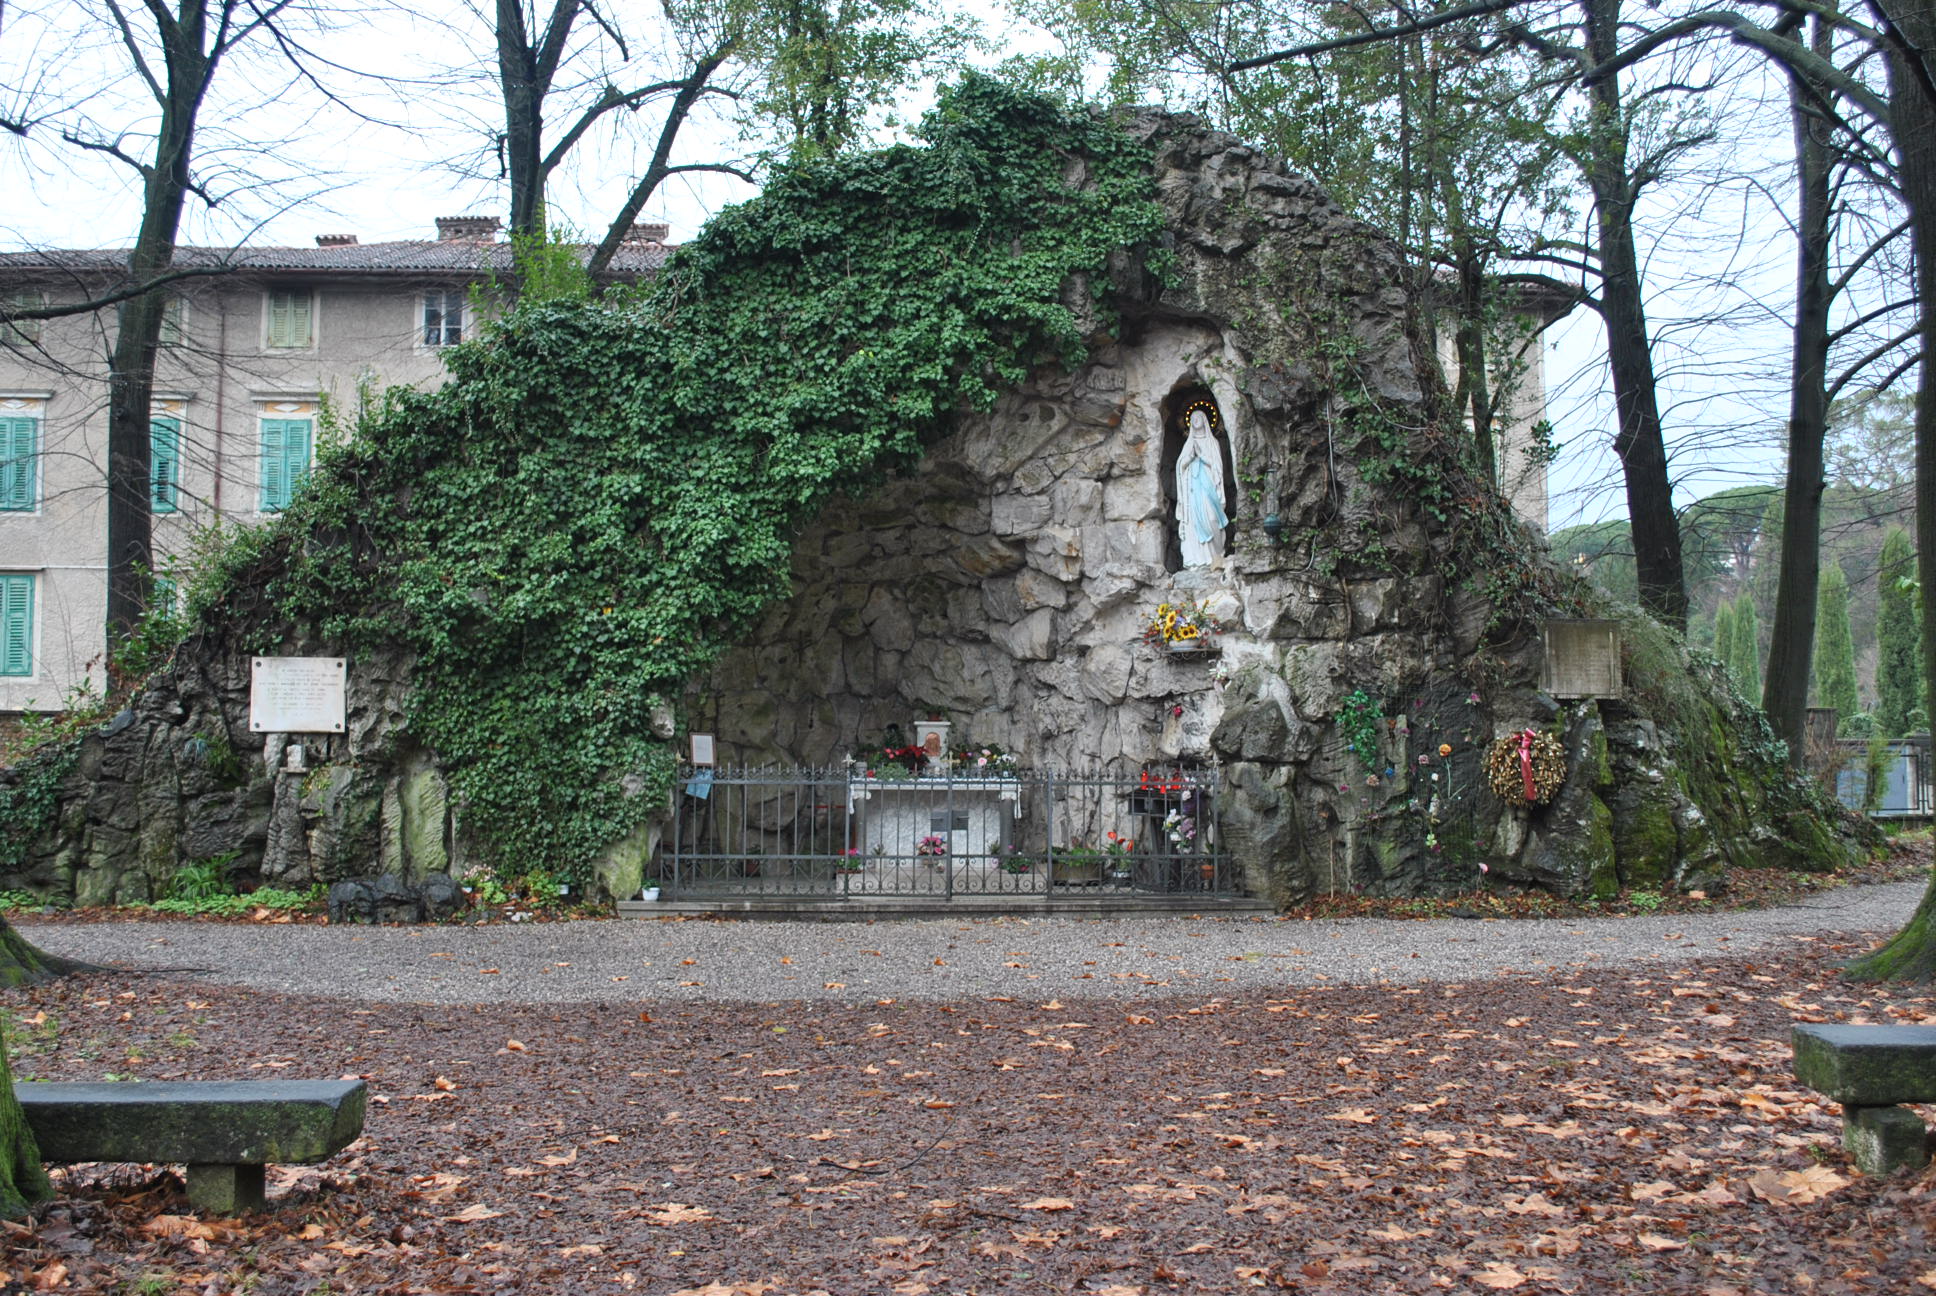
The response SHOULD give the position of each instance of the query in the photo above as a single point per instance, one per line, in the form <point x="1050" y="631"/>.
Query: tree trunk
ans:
<point x="518" y="80"/>
<point x="23" y="1180"/>
<point x="1911" y="954"/>
<point x="1642" y="450"/>
<point x="22" y="963"/>
<point x="1785" y="689"/>
<point x="131" y="374"/>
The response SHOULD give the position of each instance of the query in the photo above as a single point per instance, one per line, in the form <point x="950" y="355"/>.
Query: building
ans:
<point x="254" y="354"/>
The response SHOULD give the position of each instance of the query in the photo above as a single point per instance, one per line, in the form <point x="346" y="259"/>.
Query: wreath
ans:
<point x="1526" y="768"/>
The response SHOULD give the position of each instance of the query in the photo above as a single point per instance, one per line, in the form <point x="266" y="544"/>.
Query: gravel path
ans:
<point x="629" y="961"/>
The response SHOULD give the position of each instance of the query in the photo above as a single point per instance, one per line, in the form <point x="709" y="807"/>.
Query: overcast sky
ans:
<point x="411" y="141"/>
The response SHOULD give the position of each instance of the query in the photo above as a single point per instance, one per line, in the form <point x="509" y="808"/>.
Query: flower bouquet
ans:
<point x="1182" y="627"/>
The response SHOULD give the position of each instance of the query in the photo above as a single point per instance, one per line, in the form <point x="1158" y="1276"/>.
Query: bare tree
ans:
<point x="816" y="66"/>
<point x="173" y="55"/>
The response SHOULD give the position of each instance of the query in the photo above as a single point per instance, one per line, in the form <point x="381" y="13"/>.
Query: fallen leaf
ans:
<point x="180" y="1226"/>
<point x="514" y="1046"/>
<point x="676" y="1213"/>
<point x="1499" y="1277"/>
<point x="472" y="1213"/>
<point x="1796" y="1187"/>
<point x="1535" y="1204"/>
<point x="1356" y="1115"/>
<point x="1049" y="1204"/>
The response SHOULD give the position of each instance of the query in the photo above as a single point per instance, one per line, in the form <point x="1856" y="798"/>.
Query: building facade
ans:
<point x="257" y="348"/>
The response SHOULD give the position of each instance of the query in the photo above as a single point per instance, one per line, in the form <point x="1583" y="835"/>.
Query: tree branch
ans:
<point x="1868" y="253"/>
<point x="610" y="100"/>
<point x="134" y="48"/>
<point x="1376" y="34"/>
<point x="1907" y="335"/>
<point x="1742" y="31"/>
<point x="9" y="314"/>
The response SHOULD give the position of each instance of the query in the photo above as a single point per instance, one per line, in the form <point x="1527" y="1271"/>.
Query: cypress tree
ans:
<point x="1724" y="637"/>
<point x="1747" y="647"/>
<point x="1834" y="645"/>
<point x="1898" y="643"/>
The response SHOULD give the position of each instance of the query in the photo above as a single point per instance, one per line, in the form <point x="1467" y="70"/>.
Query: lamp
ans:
<point x="1274" y="528"/>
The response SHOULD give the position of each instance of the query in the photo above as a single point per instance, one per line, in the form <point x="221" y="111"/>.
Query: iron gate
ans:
<point x="841" y="832"/>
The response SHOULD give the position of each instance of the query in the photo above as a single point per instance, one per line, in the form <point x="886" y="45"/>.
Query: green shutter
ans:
<point x="285" y="461"/>
<point x="164" y="464"/>
<point x="16" y="624"/>
<point x="19" y="463"/>
<point x="289" y="319"/>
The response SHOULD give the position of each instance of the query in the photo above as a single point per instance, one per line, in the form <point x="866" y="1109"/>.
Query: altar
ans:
<point x="965" y="818"/>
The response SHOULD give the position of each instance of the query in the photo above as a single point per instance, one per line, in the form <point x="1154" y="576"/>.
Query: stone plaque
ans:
<point x="1582" y="659"/>
<point x="297" y="695"/>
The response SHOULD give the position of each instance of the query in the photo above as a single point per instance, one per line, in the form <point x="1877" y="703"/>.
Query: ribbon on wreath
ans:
<point x="1526" y="763"/>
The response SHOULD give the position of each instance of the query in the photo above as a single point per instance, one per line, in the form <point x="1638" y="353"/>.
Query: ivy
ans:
<point x="30" y="799"/>
<point x="1358" y="719"/>
<point x="607" y="491"/>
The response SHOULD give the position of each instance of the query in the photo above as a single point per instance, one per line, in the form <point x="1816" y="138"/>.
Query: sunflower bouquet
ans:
<point x="1189" y="624"/>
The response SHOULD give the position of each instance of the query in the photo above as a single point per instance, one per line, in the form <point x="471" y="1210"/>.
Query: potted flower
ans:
<point x="1116" y="858"/>
<point x="849" y="862"/>
<point x="650" y="892"/>
<point x="1076" y="865"/>
<point x="1013" y="860"/>
<point x="933" y="848"/>
<point x="983" y="760"/>
<point x="893" y="764"/>
<point x="1183" y="627"/>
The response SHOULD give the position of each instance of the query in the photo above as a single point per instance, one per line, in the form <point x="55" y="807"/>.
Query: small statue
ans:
<point x="1200" y="516"/>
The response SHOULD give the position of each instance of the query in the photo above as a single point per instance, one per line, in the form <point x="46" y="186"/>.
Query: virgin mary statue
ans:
<point x="1200" y="516"/>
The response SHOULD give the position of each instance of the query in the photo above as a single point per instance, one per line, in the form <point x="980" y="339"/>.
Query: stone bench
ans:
<point x="1869" y="1070"/>
<point x="225" y="1132"/>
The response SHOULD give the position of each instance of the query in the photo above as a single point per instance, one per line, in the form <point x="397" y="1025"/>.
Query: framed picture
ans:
<point x="931" y="736"/>
<point x="702" y="749"/>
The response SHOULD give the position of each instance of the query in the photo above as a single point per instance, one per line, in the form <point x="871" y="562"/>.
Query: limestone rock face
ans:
<point x="1008" y="580"/>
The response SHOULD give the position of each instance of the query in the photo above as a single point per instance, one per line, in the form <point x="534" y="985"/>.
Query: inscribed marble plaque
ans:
<point x="1582" y="659"/>
<point x="296" y="695"/>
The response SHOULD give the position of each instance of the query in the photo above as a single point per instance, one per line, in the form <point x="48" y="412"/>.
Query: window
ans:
<point x="164" y="464"/>
<point x="291" y="319"/>
<point x="164" y="596"/>
<point x="19" y="464"/>
<point x="443" y="318"/>
<point x="174" y="322"/>
<point x="23" y="330"/>
<point x="16" y="623"/>
<point x="285" y="460"/>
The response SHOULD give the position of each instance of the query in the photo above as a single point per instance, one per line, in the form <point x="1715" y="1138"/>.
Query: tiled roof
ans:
<point x="426" y="256"/>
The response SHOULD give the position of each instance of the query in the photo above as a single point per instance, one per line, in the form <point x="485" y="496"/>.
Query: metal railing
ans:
<point x="1037" y="834"/>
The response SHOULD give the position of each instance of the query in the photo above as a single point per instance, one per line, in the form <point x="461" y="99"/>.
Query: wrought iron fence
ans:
<point x="841" y="832"/>
<point x="1905" y="777"/>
